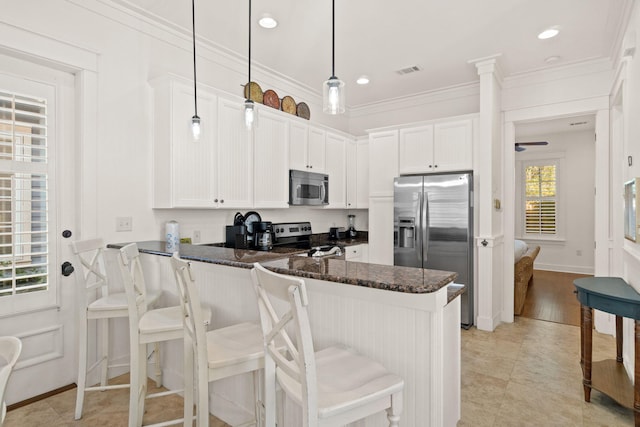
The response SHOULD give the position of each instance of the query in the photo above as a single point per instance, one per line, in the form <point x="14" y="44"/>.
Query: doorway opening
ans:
<point x="554" y="200"/>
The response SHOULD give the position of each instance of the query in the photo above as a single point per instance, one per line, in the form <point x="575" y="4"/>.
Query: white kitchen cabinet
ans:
<point x="213" y="172"/>
<point x="357" y="174"/>
<point x="381" y="230"/>
<point x="306" y="147"/>
<point x="383" y="163"/>
<point x="234" y="158"/>
<point x="453" y="145"/>
<point x="183" y="172"/>
<point x="415" y="150"/>
<point x="438" y="147"/>
<point x="357" y="253"/>
<point x="271" y="160"/>
<point x="336" y="168"/>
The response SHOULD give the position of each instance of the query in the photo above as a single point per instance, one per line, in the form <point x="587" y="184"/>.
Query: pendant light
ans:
<point x="195" y="120"/>
<point x="250" y="112"/>
<point x="333" y="89"/>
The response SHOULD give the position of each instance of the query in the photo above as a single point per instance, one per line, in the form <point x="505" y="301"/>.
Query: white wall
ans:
<point x="577" y="181"/>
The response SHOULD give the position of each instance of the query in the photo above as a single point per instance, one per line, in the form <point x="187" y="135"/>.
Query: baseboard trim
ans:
<point x="564" y="268"/>
<point x="41" y="397"/>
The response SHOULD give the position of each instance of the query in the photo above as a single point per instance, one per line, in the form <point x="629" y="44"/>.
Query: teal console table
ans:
<point x="611" y="295"/>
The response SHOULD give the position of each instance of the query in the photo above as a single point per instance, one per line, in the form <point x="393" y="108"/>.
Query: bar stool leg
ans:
<point x="82" y="367"/>
<point x="156" y="351"/>
<point x="104" y="349"/>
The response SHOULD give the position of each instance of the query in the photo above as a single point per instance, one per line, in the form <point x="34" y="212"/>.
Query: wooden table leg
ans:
<point x="636" y="386"/>
<point x="619" y="339"/>
<point x="587" y="334"/>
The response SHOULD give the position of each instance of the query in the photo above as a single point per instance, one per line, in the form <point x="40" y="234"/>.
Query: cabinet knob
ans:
<point x="310" y="166"/>
<point x="221" y="200"/>
<point x="435" y="166"/>
<point x="430" y="166"/>
<point x="215" y="200"/>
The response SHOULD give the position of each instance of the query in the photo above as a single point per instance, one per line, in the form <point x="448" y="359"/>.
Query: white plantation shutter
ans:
<point x="24" y="214"/>
<point x="541" y="199"/>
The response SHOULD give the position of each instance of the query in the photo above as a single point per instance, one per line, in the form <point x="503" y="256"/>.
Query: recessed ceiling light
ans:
<point x="552" y="59"/>
<point x="363" y="80"/>
<point x="267" y="21"/>
<point x="548" y="33"/>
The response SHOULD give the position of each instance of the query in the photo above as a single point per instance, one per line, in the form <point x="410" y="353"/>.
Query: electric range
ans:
<point x="299" y="235"/>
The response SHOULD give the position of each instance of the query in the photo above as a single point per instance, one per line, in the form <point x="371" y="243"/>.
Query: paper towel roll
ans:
<point x="172" y="235"/>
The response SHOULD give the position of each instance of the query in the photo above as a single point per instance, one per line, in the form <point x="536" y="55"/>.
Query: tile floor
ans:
<point x="523" y="374"/>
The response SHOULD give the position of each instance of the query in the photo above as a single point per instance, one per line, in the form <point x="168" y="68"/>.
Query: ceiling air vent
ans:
<point x="577" y="123"/>
<point x="409" y="70"/>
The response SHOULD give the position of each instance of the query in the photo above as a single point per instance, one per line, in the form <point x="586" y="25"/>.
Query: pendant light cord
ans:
<point x="195" y="89"/>
<point x="333" y="38"/>
<point x="249" y="83"/>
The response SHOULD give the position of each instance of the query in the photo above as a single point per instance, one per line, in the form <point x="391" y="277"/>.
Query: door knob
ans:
<point x="67" y="268"/>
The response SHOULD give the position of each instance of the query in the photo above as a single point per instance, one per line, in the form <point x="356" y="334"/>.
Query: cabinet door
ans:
<point x="298" y="143"/>
<point x="193" y="180"/>
<point x="336" y="168"/>
<point x="362" y="172"/>
<point x="381" y="230"/>
<point x="352" y="175"/>
<point x="316" y="150"/>
<point x="383" y="162"/>
<point x="453" y="146"/>
<point x="271" y="161"/>
<point x="234" y="158"/>
<point x="416" y="150"/>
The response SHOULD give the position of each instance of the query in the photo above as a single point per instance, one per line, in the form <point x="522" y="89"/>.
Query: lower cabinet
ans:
<point x="357" y="253"/>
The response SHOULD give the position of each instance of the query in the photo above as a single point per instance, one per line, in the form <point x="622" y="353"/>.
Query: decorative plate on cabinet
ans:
<point x="303" y="110"/>
<point x="289" y="105"/>
<point x="256" y="92"/>
<point x="270" y="99"/>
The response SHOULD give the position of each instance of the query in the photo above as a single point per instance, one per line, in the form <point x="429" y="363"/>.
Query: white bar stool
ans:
<point x="334" y="386"/>
<point x="10" y="348"/>
<point x="96" y="303"/>
<point x="218" y="354"/>
<point x="146" y="327"/>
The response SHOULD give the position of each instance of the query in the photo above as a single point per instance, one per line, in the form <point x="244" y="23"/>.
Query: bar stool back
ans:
<point x="334" y="386"/>
<point x="10" y="348"/>
<point x="218" y="354"/>
<point x="96" y="302"/>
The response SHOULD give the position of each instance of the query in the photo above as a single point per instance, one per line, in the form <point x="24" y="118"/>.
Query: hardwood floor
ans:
<point x="550" y="297"/>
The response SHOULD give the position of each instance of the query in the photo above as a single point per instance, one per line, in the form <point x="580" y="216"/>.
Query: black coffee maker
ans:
<point x="263" y="235"/>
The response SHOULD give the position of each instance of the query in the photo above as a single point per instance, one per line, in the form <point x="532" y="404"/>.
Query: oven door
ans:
<point x="308" y="189"/>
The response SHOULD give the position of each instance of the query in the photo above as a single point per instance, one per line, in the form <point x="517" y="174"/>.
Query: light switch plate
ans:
<point x="124" y="223"/>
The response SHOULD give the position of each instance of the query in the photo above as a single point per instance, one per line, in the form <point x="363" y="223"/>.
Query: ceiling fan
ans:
<point x="519" y="145"/>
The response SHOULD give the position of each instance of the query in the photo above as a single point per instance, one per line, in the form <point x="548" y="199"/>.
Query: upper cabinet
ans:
<point x="183" y="176"/>
<point x="439" y="147"/>
<point x="306" y="147"/>
<point x="383" y="162"/>
<point x="271" y="160"/>
<point x="336" y="168"/>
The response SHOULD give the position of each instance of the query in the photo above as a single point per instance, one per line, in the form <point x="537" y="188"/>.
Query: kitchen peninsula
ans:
<point x="406" y="318"/>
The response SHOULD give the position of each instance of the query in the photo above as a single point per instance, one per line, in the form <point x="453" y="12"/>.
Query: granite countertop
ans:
<point x="287" y="261"/>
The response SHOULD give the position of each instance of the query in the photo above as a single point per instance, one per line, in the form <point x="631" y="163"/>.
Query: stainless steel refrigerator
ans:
<point x="433" y="227"/>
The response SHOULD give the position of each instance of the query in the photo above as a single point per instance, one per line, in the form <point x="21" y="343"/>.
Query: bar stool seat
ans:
<point x="95" y="302"/>
<point x="146" y="327"/>
<point x="220" y="353"/>
<point x="10" y="348"/>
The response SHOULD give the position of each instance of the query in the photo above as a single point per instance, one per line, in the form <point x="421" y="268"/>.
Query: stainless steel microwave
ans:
<point x="308" y="188"/>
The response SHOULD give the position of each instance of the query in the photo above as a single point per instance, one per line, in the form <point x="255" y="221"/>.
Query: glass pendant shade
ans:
<point x="333" y="96"/>
<point x="196" y="130"/>
<point x="250" y="114"/>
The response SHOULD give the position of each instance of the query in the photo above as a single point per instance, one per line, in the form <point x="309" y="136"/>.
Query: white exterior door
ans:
<point x="37" y="203"/>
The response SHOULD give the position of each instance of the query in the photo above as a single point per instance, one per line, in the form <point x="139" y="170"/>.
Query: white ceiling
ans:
<point x="379" y="37"/>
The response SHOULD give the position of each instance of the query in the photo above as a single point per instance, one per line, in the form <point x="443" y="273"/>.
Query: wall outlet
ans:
<point x="124" y="223"/>
<point x="196" y="236"/>
<point x="579" y="252"/>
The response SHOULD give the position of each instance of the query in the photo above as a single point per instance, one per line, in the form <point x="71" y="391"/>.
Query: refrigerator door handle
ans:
<point x="425" y="226"/>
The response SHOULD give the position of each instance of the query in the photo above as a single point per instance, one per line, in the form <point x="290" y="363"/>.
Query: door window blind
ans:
<point x="24" y="242"/>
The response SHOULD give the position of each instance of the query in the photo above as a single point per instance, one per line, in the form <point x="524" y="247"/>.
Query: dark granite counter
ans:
<point x="286" y="261"/>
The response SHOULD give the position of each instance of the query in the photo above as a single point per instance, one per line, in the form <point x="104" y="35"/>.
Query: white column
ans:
<point x="489" y="286"/>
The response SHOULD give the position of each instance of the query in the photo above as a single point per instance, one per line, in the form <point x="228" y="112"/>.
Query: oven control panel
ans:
<point x="291" y="229"/>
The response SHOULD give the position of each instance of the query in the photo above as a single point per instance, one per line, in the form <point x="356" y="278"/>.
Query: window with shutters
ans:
<point x="540" y="198"/>
<point x="24" y="242"/>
